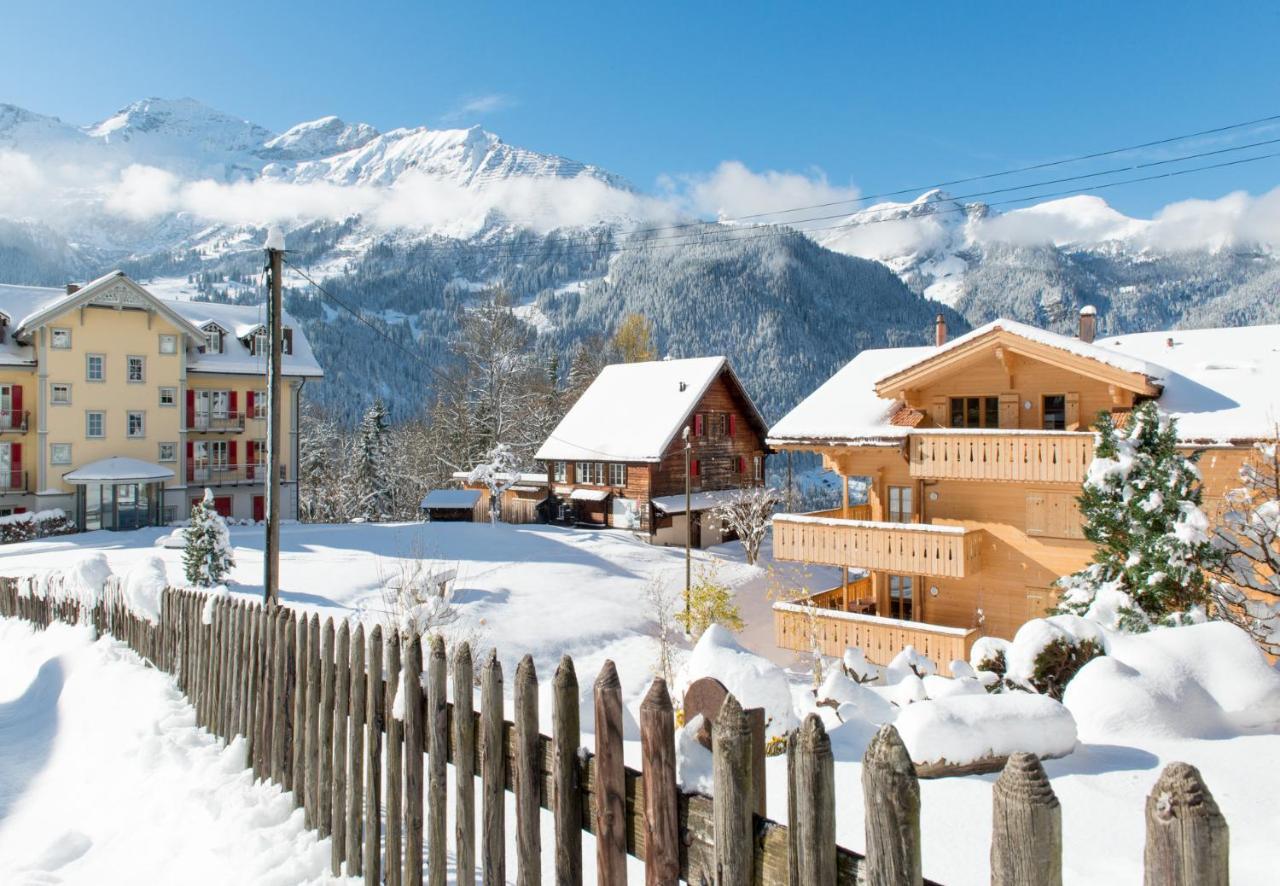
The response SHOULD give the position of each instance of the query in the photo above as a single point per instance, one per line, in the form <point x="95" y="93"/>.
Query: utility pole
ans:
<point x="271" y="553"/>
<point x="688" y="527"/>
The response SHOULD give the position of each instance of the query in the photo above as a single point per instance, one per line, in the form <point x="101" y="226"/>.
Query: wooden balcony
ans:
<point x="801" y="627"/>
<point x="907" y="548"/>
<point x="1049" y="457"/>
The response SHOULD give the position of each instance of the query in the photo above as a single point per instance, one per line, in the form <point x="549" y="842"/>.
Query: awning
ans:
<point x="118" y="469"/>
<point x="701" y="501"/>
<point x="589" y="494"/>
<point x="451" y="498"/>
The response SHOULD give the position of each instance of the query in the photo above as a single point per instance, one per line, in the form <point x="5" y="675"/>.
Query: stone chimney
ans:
<point x="73" y="288"/>
<point x="939" y="330"/>
<point x="1088" y="323"/>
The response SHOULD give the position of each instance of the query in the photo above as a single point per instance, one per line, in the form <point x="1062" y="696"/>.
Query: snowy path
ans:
<point x="104" y="778"/>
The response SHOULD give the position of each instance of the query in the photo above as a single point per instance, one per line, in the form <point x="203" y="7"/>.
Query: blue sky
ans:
<point x="877" y="96"/>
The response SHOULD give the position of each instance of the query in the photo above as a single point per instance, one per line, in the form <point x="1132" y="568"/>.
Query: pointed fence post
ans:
<point x="464" y="743"/>
<point x="355" y="757"/>
<point x="493" y="772"/>
<point x="394" y="867"/>
<point x="611" y="781"/>
<point x="325" y="761"/>
<point x="526" y="777"/>
<point x="311" y="741"/>
<point x="566" y="799"/>
<point x="1026" y="826"/>
<point x="891" y="798"/>
<point x="661" y="797"/>
<point x="734" y="796"/>
<point x="373" y="762"/>
<point x="341" y="712"/>
<point x="1187" y="837"/>
<point x="413" y="704"/>
<point x="813" y="820"/>
<point x="437" y="760"/>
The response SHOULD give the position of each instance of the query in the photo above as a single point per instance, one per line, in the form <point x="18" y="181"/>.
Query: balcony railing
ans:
<point x="800" y="627"/>
<point x="1050" y="457"/>
<point x="13" y="420"/>
<point x="203" y="423"/>
<point x="13" y="481"/>
<point x="907" y="548"/>
<point x="230" y="475"/>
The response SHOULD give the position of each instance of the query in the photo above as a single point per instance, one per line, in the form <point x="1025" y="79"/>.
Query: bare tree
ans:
<point x="748" y="513"/>
<point x="1245" y="584"/>
<point x="662" y="598"/>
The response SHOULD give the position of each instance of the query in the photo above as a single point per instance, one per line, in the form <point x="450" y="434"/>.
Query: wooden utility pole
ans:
<point x="271" y="553"/>
<point x="688" y="527"/>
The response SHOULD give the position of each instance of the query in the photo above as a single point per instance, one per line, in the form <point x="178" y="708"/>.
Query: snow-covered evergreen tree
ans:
<point x="372" y="480"/>
<point x="499" y="471"/>
<point x="1141" y="508"/>
<point x="1246" y="581"/>
<point x="206" y="555"/>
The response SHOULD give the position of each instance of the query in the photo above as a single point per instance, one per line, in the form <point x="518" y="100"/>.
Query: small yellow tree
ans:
<point x="710" y="602"/>
<point x="634" y="339"/>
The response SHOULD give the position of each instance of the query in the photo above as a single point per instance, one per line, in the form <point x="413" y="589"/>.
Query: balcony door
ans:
<point x="902" y="597"/>
<point x="900" y="504"/>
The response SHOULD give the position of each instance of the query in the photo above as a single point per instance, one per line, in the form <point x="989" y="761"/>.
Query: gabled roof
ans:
<point x="632" y="411"/>
<point x="1022" y="340"/>
<point x="111" y="289"/>
<point x="1219" y="384"/>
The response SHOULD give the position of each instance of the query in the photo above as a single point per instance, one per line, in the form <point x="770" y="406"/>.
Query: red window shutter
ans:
<point x="742" y="464"/>
<point x="697" y="424"/>
<point x="231" y="453"/>
<point x="19" y="510"/>
<point x="15" y="457"/>
<point x="249" y="447"/>
<point x="733" y="423"/>
<point x="248" y="403"/>
<point x="15" y="401"/>
<point x="694" y="467"/>
<point x="232" y="397"/>
<point x="191" y="414"/>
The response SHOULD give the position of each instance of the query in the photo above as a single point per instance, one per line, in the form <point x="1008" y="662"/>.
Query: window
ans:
<point x="60" y="453"/>
<point x="560" y="472"/>
<point x="715" y="425"/>
<point x="261" y="343"/>
<point x="286" y="340"/>
<point x="901" y="589"/>
<point x="590" y="473"/>
<point x="617" y="474"/>
<point x="212" y="340"/>
<point x="168" y="452"/>
<point x="95" y="424"/>
<point x="975" y="412"/>
<point x="135" y="370"/>
<point x="1055" y="412"/>
<point x="168" y="396"/>
<point x="259" y="401"/>
<point x="60" y="339"/>
<point x="168" y="344"/>
<point x="95" y="367"/>
<point x="900" y="509"/>
<point x="136" y="424"/>
<point x="60" y="394"/>
<point x="757" y="468"/>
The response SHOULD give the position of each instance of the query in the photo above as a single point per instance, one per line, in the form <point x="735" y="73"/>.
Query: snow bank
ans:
<point x="1199" y="681"/>
<point x="144" y="586"/>
<point x="694" y="770"/>
<point x="962" y="729"/>
<point x="84" y="580"/>
<point x="754" y="680"/>
<point x="853" y="699"/>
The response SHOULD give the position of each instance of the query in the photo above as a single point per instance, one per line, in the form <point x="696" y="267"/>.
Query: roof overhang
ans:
<point x="1008" y="347"/>
<point x="113" y="290"/>
<point x="118" y="469"/>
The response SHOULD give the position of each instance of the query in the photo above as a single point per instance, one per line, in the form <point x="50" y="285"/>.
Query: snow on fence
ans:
<point x="316" y="719"/>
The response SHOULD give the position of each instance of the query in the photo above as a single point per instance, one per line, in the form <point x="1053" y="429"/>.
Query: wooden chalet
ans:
<point x="973" y="453"/>
<point x="617" y="458"/>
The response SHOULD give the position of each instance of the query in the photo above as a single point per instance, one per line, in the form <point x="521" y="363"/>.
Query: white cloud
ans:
<point x="732" y="191"/>
<point x="478" y="106"/>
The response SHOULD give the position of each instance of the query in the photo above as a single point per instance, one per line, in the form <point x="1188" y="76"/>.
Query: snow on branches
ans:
<point x="499" y="471"/>
<point x="747" y="513"/>
<point x="206" y="555"/>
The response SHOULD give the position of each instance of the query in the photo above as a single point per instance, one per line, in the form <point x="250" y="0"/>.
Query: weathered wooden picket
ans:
<point x="318" y="713"/>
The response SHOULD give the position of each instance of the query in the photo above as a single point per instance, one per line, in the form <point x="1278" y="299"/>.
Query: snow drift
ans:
<point x="966" y="728"/>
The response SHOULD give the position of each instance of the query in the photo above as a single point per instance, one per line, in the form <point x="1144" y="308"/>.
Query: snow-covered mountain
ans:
<point x="413" y="222"/>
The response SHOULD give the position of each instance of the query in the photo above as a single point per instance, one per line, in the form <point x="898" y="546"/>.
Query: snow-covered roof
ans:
<point x="1221" y="384"/>
<point x="451" y="498"/>
<point x="632" y="411"/>
<point x="29" y="306"/>
<point x="536" y="478"/>
<point x="118" y="469"/>
<point x="589" y="494"/>
<point x="700" y="501"/>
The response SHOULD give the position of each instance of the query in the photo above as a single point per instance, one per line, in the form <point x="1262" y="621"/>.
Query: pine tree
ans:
<point x="206" y="555"/>
<point x="1141" y="508"/>
<point x="372" y="480"/>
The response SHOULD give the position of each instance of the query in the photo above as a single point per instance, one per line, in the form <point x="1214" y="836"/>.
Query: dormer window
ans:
<point x="261" y="342"/>
<point x="212" y="339"/>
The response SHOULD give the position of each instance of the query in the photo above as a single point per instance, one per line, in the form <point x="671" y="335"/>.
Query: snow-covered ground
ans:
<point x="1183" y="695"/>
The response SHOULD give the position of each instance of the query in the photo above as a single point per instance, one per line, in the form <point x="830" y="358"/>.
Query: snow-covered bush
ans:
<point x="143" y="587"/>
<point x="1141" y="508"/>
<point x="710" y="603"/>
<point x="41" y="524"/>
<point x="968" y="728"/>
<point x="1047" y="652"/>
<point x="754" y="680"/>
<point x="499" y="471"/>
<point x="856" y="667"/>
<point x="748" y="513"/>
<point x="207" y="556"/>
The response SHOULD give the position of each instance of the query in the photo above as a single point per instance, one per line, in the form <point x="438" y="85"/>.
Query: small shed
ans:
<point x="450" y="505"/>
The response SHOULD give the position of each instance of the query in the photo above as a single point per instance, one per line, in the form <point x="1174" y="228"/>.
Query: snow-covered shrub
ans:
<point x="909" y="659"/>
<point x="856" y="667"/>
<point x="41" y="524"/>
<point x="83" y="581"/>
<point x="662" y="599"/>
<point x="1141" y="509"/>
<point x="143" y="587"/>
<point x="967" y="728"/>
<point x="748" y="513"/>
<point x="754" y="680"/>
<point x="1047" y="652"/>
<point x="207" y="556"/>
<point x="710" y="603"/>
<point x="989" y="660"/>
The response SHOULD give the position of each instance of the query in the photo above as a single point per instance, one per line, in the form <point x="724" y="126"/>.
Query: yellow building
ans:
<point x="972" y="454"/>
<point x="121" y="408"/>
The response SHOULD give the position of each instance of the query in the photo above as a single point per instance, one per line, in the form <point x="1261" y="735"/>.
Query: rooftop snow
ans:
<point x="631" y="411"/>
<point x="118" y="469"/>
<point x="701" y="501"/>
<point x="451" y="498"/>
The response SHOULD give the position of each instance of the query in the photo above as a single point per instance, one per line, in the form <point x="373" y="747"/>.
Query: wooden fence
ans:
<point x="316" y="711"/>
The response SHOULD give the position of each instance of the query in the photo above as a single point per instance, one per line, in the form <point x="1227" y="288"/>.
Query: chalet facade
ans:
<point x="973" y="453"/>
<point x="618" y="459"/>
<point x="120" y="408"/>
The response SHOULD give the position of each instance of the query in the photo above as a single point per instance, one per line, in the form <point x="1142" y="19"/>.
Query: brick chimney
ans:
<point x="1088" y="323"/>
<point x="939" y="330"/>
<point x="73" y="288"/>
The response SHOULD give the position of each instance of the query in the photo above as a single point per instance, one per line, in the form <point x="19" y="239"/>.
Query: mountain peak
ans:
<point x="319" y="138"/>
